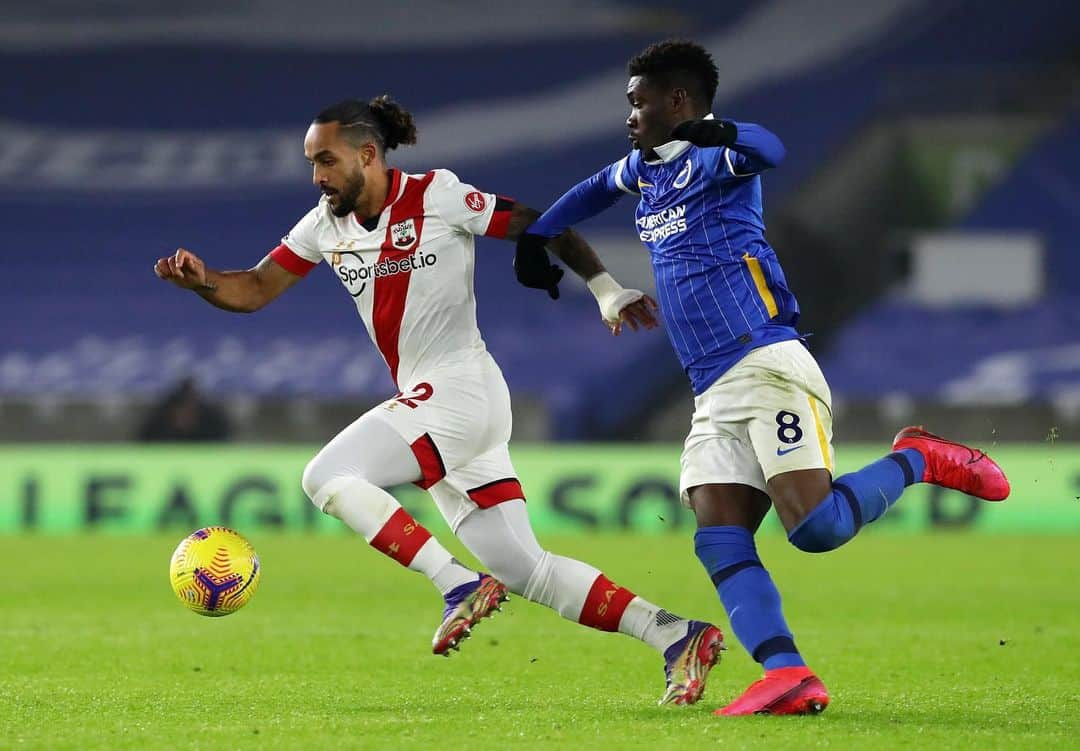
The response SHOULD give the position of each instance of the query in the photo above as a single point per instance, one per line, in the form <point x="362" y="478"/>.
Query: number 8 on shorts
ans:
<point x="789" y="430"/>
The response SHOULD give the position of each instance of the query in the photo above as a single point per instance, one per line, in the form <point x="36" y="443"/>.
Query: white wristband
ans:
<point x="611" y="296"/>
<point x="603" y="285"/>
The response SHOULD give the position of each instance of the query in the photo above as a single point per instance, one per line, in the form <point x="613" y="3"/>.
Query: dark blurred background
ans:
<point x="927" y="214"/>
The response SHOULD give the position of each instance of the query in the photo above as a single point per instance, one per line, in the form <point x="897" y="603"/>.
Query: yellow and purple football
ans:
<point x="214" y="571"/>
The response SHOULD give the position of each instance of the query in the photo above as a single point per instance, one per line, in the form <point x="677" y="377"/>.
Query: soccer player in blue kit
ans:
<point x="761" y="433"/>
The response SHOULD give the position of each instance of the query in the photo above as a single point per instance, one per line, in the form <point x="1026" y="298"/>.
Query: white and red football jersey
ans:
<point x="409" y="269"/>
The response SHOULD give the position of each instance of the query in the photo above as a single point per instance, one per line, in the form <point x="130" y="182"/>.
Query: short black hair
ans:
<point x="678" y="62"/>
<point x="382" y="120"/>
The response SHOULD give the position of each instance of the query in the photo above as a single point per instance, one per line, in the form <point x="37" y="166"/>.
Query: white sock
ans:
<point x="653" y="625"/>
<point x="561" y="583"/>
<point x="502" y="538"/>
<point x="375" y="514"/>
<point x="445" y="571"/>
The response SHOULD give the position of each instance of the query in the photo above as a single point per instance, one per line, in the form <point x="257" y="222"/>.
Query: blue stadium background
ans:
<point x="130" y="131"/>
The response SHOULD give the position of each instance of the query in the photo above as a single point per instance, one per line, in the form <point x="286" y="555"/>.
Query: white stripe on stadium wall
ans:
<point x="772" y="41"/>
<point x="315" y="25"/>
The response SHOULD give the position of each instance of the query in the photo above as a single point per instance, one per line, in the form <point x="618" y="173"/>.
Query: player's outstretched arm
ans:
<point x="235" y="291"/>
<point x="618" y="306"/>
<point x="586" y="199"/>
<point x="569" y="246"/>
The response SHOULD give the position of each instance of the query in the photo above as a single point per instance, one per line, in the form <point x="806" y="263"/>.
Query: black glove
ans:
<point x="706" y="132"/>
<point x="533" y="268"/>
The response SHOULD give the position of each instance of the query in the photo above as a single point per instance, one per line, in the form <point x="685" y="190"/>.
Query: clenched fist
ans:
<point x="184" y="269"/>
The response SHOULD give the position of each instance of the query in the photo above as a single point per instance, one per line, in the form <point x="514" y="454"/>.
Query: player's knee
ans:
<point x="817" y="535"/>
<point x="814" y="544"/>
<point x="314" y="477"/>
<point x="318" y="480"/>
<point x="320" y="472"/>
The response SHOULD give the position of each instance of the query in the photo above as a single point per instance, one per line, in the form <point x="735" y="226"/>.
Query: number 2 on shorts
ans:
<point x="421" y="393"/>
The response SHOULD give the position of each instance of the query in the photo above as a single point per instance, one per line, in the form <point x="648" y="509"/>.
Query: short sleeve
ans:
<point x="467" y="209"/>
<point x="298" y="252"/>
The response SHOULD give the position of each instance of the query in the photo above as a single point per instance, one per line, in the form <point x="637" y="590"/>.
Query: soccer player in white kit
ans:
<point x="402" y="246"/>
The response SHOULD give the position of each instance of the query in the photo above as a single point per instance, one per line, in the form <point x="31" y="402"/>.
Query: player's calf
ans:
<point x="582" y="593"/>
<point x="862" y="497"/>
<point x="390" y="529"/>
<point x="502" y="539"/>
<point x="854" y="500"/>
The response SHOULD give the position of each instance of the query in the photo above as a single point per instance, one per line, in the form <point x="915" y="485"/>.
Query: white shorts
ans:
<point x="770" y="413"/>
<point x="457" y="421"/>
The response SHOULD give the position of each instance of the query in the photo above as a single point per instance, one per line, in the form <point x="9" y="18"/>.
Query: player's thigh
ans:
<point x="717" y="450"/>
<point x="450" y="418"/>
<point x="790" y="422"/>
<point x="795" y="494"/>
<point x="484" y="482"/>
<point x="368" y="448"/>
<point x="729" y="505"/>
<point x="791" y="429"/>
<point x="484" y="504"/>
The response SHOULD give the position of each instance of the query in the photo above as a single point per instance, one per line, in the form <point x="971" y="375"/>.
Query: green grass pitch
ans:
<point x="936" y="642"/>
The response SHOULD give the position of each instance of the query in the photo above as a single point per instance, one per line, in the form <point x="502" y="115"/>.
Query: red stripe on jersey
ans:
<point x="391" y="194"/>
<point x="496" y="492"/>
<point x="284" y="257"/>
<point x="401" y="537"/>
<point x="604" y="605"/>
<point x="395" y="185"/>
<point x="500" y="218"/>
<point x="388" y="304"/>
<point x="430" y="460"/>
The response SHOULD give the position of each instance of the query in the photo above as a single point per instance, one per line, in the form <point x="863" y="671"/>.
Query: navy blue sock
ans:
<point x="856" y="499"/>
<point x="748" y="594"/>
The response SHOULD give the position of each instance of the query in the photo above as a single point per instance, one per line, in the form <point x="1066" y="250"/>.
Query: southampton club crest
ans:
<point x="403" y="234"/>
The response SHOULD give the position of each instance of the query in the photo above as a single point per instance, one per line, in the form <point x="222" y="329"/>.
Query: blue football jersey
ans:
<point x="719" y="284"/>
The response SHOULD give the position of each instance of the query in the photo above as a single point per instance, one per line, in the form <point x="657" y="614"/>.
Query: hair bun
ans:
<point x="395" y="122"/>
